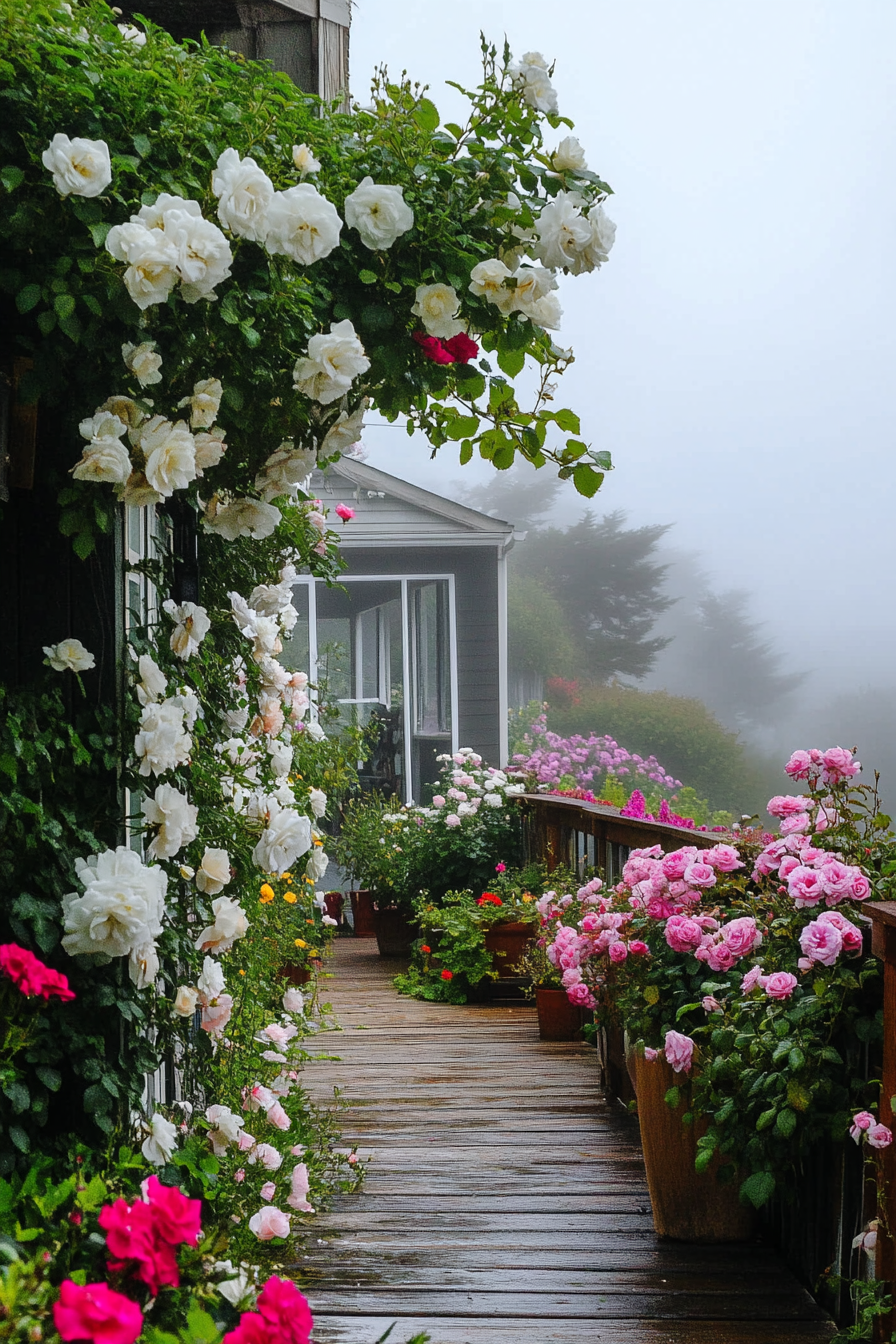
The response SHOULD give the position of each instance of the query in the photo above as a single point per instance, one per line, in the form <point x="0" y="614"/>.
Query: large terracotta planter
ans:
<point x="558" y="1019"/>
<point x="687" y="1206"/>
<point x="296" y="975"/>
<point x="395" y="931"/>
<point x="507" y="943"/>
<point x="334" y="901"/>
<point x="363" y="914"/>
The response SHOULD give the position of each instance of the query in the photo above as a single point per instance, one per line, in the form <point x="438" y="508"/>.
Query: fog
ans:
<point x="736" y="354"/>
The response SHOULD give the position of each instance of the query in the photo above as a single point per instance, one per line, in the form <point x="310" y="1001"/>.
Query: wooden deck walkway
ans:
<point x="506" y="1200"/>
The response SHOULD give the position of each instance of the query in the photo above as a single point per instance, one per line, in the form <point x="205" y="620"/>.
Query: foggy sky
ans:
<point x="736" y="354"/>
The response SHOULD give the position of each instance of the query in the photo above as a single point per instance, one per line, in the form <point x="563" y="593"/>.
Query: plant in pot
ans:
<point x="741" y="978"/>
<point x="293" y="921"/>
<point x="376" y="840"/>
<point x="559" y="1019"/>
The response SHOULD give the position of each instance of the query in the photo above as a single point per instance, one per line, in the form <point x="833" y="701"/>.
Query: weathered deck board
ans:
<point x="505" y="1199"/>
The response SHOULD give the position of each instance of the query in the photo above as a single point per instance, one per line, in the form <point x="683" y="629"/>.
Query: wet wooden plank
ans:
<point x="367" y="1330"/>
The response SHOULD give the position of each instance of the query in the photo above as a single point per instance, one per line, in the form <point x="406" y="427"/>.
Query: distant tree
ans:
<point x="609" y="583"/>
<point x="518" y="496"/>
<point x="540" y="641"/>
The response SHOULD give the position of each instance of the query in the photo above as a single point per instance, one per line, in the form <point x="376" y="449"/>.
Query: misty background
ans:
<point x="735" y="355"/>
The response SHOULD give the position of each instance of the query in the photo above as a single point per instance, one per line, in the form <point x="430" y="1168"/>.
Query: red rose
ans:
<point x="447" y="975"/>
<point x="432" y="348"/>
<point x="462" y="348"/>
<point x="426" y="950"/>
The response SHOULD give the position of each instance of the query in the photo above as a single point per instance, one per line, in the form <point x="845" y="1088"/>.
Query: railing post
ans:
<point x="883" y="945"/>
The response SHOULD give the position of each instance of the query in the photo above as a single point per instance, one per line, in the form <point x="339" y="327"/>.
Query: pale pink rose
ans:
<point x="879" y="1136"/>
<point x="838" y="765"/>
<point x="452" y="820"/>
<point x="741" y="935"/>
<point x="240" y="1175"/>
<point x="674" y="864"/>
<point x="679" y="1051"/>
<point x="438" y="801"/>
<point x="618" y="952"/>
<point x="861" y="887"/>
<point x="710" y="1004"/>
<point x="780" y="985"/>
<point x="796" y="825"/>
<point x="257" y="1098"/>
<point x="787" y="804"/>
<point x="852" y="936"/>
<point x="215" y="1016"/>
<point x="268" y="1223"/>
<point x="861" y="1121"/>
<point x="571" y="977"/>
<point x="806" y="886"/>
<point x="753" y="977"/>
<point x="787" y="865"/>
<point x="273" y="1057"/>
<point x="718" y="956"/>
<point x="277" y="1117"/>
<point x="638" y="868"/>
<point x="801" y="765"/>
<point x="268" y="1190"/>
<point x="837" y="878"/>
<point x="683" y="934"/>
<point x="866" y="1241"/>
<point x="277" y="1034"/>
<point x="700" y="875"/>
<point x="245" y="1142"/>
<point x="269" y="1158"/>
<point x="650" y="1054"/>
<point x="298" y="1195"/>
<point x="724" y="858"/>
<point x="821" y="942"/>
<point x="297" y="1149"/>
<point x="804" y="964"/>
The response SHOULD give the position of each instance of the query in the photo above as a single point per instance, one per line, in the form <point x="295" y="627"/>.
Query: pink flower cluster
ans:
<point x="31" y="976"/>
<point x="143" y="1236"/>
<point x="677" y="1049"/>
<point x="812" y="875"/>
<point x="864" y="1126"/>
<point x="826" y="937"/>
<point x="282" y="1316"/>
<point x="587" y="759"/>
<point x="831" y="767"/>
<point x="93" y="1311"/>
<point x="668" y="884"/>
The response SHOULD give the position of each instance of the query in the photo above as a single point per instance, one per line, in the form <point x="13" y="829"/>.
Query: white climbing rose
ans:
<point x="244" y="193"/>
<point x="209" y="447"/>
<point x="531" y="80"/>
<point x="80" y="167"/>
<point x="241" y="518"/>
<point x="379" y="213"/>
<point x="302" y="224"/>
<point x="230" y="923"/>
<point x="286" y="837"/>
<point x="143" y="362"/>
<point x="304" y="160"/>
<point x="334" y="360"/>
<point x="566" y="238"/>
<point x="603" y="234"/>
<point x="122" y="906"/>
<point x="175" y="817"/>
<point x="161" y="743"/>
<point x="213" y="873"/>
<point x="487" y="282"/>
<point x="69" y="655"/>
<point x="285" y="470"/>
<point x="344" y="432"/>
<point x="170" y="454"/>
<point x="105" y="457"/>
<point x="203" y="253"/>
<point x="151" y="261"/>
<point x="191" y="625"/>
<point x="205" y="402"/>
<point x="568" y="155"/>
<point x="437" y="307"/>
<point x="161" y="1143"/>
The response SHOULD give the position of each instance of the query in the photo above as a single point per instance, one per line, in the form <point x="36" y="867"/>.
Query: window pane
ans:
<point x="432" y="695"/>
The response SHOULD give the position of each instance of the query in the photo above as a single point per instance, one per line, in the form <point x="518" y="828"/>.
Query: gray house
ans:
<point x="415" y="635"/>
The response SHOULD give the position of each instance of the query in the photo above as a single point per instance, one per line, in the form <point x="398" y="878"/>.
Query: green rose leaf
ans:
<point x="11" y="177"/>
<point x="758" y="1188"/>
<point x="586" y="480"/>
<point x="369" y="278"/>
<point x="426" y="115"/>
<point x="28" y="298"/>
<point x="511" y="362"/>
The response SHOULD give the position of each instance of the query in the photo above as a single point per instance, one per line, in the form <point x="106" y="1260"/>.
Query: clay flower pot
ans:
<point x="687" y="1205"/>
<point x="334" y="901"/>
<point x="507" y="942"/>
<point x="558" y="1019"/>
<point x="395" y="931"/>
<point x="295" y="974"/>
<point x="363" y="914"/>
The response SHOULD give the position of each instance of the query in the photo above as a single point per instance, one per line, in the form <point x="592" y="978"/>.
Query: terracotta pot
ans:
<point x="558" y="1019"/>
<point x="334" y="901"/>
<point x="296" y="975"/>
<point x="687" y="1206"/>
<point x="363" y="914"/>
<point x="507" y="942"/>
<point x="395" y="931"/>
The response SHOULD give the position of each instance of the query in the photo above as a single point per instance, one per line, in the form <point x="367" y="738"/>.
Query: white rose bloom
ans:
<point x="213" y="873"/>
<point x="437" y="307"/>
<point x="244" y="193"/>
<point x="318" y="800"/>
<point x="317" y="864"/>
<point x="302" y="224"/>
<point x="230" y="924"/>
<point x="132" y="34"/>
<point x="152" y="262"/>
<point x="284" y="794"/>
<point x="226" y="1129"/>
<point x="286" y="837"/>
<point x="270" y="599"/>
<point x="204" y="403"/>
<point x="143" y="964"/>
<point x="532" y="284"/>
<point x="285" y="470"/>
<point x="242" y="518"/>
<point x="235" y="719"/>
<point x="564" y="235"/>
<point x="189" y="703"/>
<point x="161" y="743"/>
<point x="603" y="235"/>
<point x="532" y="81"/>
<point x="304" y="160"/>
<point x="334" y="360"/>
<point x="379" y="213"/>
<point x="152" y="685"/>
<point x="143" y="362"/>
<point x="487" y="281"/>
<point x="280" y="754"/>
<point x="185" y="1001"/>
<point x="211" y="982"/>
<point x="204" y="257"/>
<point x="493" y="800"/>
<point x="170" y="454"/>
<point x="153" y="216"/>
<point x="191" y="625"/>
<point x="162" y="1141"/>
<point x="314" y="731"/>
<point x="122" y="906"/>
<point x="79" y="167"/>
<point x="69" y="655"/>
<point x="568" y="156"/>
<point x="344" y="433"/>
<point x="108" y="462"/>
<point x="209" y="449"/>
<point x="175" y="816"/>
<point x="546" y="312"/>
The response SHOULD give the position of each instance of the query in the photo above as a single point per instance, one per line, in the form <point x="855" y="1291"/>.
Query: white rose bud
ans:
<point x="304" y="160"/>
<point x="185" y="1001"/>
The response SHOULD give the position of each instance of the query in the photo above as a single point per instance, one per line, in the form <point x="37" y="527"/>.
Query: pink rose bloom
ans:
<point x="268" y="1223"/>
<point x="240" y="1175"/>
<point x="298" y="1195"/>
<point x="800" y="765"/>
<point x="268" y="1156"/>
<point x="753" y="977"/>
<point x="659" y="907"/>
<point x="861" y="1121"/>
<point x="821" y="942"/>
<point x="826" y="817"/>
<point x="277" y="1034"/>
<point x="879" y="1136"/>
<point x="245" y="1142"/>
<point x="711" y="1004"/>
<point x="700" y="875"/>
<point x="268" y="1190"/>
<point x="724" y="858"/>
<point x="571" y="977"/>
<point x="741" y="935"/>
<point x="838" y="765"/>
<point x="581" y="996"/>
<point x="679" y="1051"/>
<point x="787" y="865"/>
<point x="297" y="1149"/>
<point x="796" y="825"/>
<point x="806" y="886"/>
<point x="683" y="934"/>
<point x="787" y="804"/>
<point x="861" y="887"/>
<point x="344" y="512"/>
<point x="718" y="956"/>
<point x="294" y="1001"/>
<point x="650" y="1054"/>
<point x="837" y="878"/>
<point x="590" y="924"/>
<point x="258" y="1098"/>
<point x="438" y="800"/>
<point x="452" y="820"/>
<point x="215" y="1016"/>
<point x="852" y="936"/>
<point x="780" y="985"/>
<point x="618" y="952"/>
<point x="638" y="868"/>
<point x="674" y="864"/>
<point x="638" y="949"/>
<point x="94" y="1312"/>
<point x="277" y="1117"/>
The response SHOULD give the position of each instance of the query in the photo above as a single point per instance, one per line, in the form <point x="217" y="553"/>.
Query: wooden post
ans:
<point x="883" y="945"/>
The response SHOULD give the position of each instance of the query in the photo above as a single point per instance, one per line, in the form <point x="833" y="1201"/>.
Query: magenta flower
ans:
<point x="344" y="512"/>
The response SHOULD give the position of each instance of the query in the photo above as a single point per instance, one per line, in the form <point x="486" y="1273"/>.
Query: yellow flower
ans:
<point x="290" y="897"/>
<point x="267" y="894"/>
<point x="313" y="952"/>
<point x="526" y="897"/>
<point x="300" y="942"/>
<point x="242" y="972"/>
<point x="286" y="877"/>
<point x="309" y="921"/>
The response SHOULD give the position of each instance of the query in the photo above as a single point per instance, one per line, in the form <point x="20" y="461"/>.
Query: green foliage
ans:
<point x="539" y="632"/>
